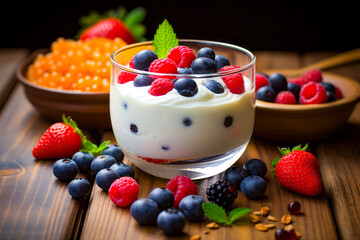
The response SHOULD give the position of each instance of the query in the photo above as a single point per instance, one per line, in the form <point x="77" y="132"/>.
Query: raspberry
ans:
<point x="160" y="86"/>
<point x="294" y="80"/>
<point x="312" y="93"/>
<point x="124" y="191"/>
<point x="234" y="82"/>
<point x="131" y="63"/>
<point x="182" y="56"/>
<point x="338" y="93"/>
<point x="125" y="77"/>
<point x="181" y="187"/>
<point x="165" y="65"/>
<point x="260" y="81"/>
<point x="155" y="160"/>
<point x="285" y="97"/>
<point x="313" y="75"/>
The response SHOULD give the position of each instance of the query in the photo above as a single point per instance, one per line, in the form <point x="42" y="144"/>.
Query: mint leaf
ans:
<point x="236" y="214"/>
<point x="164" y="39"/>
<point x="215" y="212"/>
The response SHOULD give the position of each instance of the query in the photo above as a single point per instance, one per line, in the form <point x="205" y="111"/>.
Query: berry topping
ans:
<point x="278" y="82"/>
<point x="221" y="61"/>
<point x="181" y="187"/>
<point x="160" y="86"/>
<point x="234" y="82"/>
<point x="144" y="58"/>
<point x="183" y="56"/>
<point x="185" y="71"/>
<point x="256" y="167"/>
<point x="214" y="86"/>
<point x="145" y="211"/>
<point x="253" y="187"/>
<point x="125" y="77"/>
<point x="294" y="207"/>
<point x="79" y="188"/>
<point x="222" y="193"/>
<point x="115" y="151"/>
<point x="206" y="52"/>
<point x="163" y="197"/>
<point x="235" y="175"/>
<point x="266" y="94"/>
<point x="204" y="65"/>
<point x="312" y="93"/>
<point x="83" y="160"/>
<point x="105" y="177"/>
<point x="134" y="128"/>
<point x="65" y="169"/>
<point x="285" y="97"/>
<point x="294" y="89"/>
<point x="313" y="75"/>
<point x="124" y="191"/>
<point x="191" y="207"/>
<point x="123" y="169"/>
<point x="187" y="122"/>
<point x="131" y="63"/>
<point x="186" y="87"/>
<point x="260" y="81"/>
<point x="171" y="221"/>
<point x="101" y="162"/>
<point x="165" y="65"/>
<point x="142" y="81"/>
<point x="228" y="121"/>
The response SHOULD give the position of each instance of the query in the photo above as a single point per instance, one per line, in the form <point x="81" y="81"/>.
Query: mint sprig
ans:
<point x="164" y="39"/>
<point x="218" y="214"/>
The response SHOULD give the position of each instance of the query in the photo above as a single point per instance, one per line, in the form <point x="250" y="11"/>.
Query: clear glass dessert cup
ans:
<point x="169" y="135"/>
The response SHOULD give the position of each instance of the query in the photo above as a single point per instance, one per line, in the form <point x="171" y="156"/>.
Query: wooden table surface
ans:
<point x="34" y="205"/>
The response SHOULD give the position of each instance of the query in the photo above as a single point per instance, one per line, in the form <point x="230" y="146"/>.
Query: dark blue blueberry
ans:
<point x="294" y="89"/>
<point x="206" y="52"/>
<point x="221" y="61"/>
<point x="171" y="221"/>
<point x="142" y="81"/>
<point x="133" y="128"/>
<point x="328" y="86"/>
<point x="187" y="122"/>
<point x="123" y="169"/>
<point x="228" y="121"/>
<point x="253" y="187"/>
<point x="105" y="177"/>
<point x="115" y="151"/>
<point x="79" y="188"/>
<point x="125" y="106"/>
<point x="186" y="87"/>
<point x="330" y="96"/>
<point x="214" y="86"/>
<point x="144" y="58"/>
<point x="255" y="167"/>
<point x="165" y="148"/>
<point x="65" y="169"/>
<point x="101" y="162"/>
<point x="145" y="211"/>
<point x="191" y="207"/>
<point x="266" y="93"/>
<point x="184" y="71"/>
<point x="83" y="160"/>
<point x="235" y="175"/>
<point x="278" y="82"/>
<point x="204" y="65"/>
<point x="163" y="197"/>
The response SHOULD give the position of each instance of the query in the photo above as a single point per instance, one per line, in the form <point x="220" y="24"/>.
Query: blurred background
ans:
<point x="257" y="25"/>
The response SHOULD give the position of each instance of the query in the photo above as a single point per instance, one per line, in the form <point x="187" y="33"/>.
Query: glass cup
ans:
<point x="169" y="135"/>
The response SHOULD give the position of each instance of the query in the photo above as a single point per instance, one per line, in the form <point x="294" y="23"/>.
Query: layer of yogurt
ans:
<point x="177" y="127"/>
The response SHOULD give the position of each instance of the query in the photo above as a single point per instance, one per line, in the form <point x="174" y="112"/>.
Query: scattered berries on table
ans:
<point x="294" y="207"/>
<point x="191" y="207"/>
<point x="235" y="175"/>
<point x="222" y="193"/>
<point x="256" y="167"/>
<point x="114" y="151"/>
<point x="79" y="188"/>
<point x="186" y="87"/>
<point x="101" y="162"/>
<point x="83" y="160"/>
<point x="105" y="177"/>
<point x="312" y="93"/>
<point x="143" y="59"/>
<point x="123" y="169"/>
<point x="124" y="191"/>
<point x="65" y="169"/>
<point x="181" y="186"/>
<point x="144" y="211"/>
<point x="163" y="197"/>
<point x="183" y="56"/>
<point x="253" y="187"/>
<point x="171" y="221"/>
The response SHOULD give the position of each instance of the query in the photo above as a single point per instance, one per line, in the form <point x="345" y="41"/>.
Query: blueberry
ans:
<point x="79" y="188"/>
<point x="253" y="187"/>
<point x="187" y="122"/>
<point x="184" y="71"/>
<point x="165" y="148"/>
<point x="171" y="221"/>
<point x="105" y="177"/>
<point x="186" y="87"/>
<point x="65" y="169"/>
<point x="214" y="86"/>
<point x="134" y="128"/>
<point x="294" y="89"/>
<point x="328" y="86"/>
<point x="221" y="61"/>
<point x="278" y="82"/>
<point x="123" y="169"/>
<point x="145" y="211"/>
<point x="228" y="121"/>
<point x="163" y="197"/>
<point x="235" y="175"/>
<point x="114" y="151"/>
<point x="83" y="160"/>
<point x="101" y="162"/>
<point x="255" y="167"/>
<point x="206" y="52"/>
<point x="191" y="207"/>
<point x="204" y="65"/>
<point x="142" y="81"/>
<point x="144" y="58"/>
<point x="330" y="96"/>
<point x="266" y="93"/>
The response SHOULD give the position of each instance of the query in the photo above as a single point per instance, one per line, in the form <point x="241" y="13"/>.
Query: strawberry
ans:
<point x="298" y="171"/>
<point x="62" y="140"/>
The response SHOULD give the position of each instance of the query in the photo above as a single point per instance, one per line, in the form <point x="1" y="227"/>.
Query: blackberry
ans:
<point x="223" y="193"/>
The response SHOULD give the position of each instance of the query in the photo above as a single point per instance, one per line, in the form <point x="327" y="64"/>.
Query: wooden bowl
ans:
<point x="89" y="110"/>
<point x="306" y="123"/>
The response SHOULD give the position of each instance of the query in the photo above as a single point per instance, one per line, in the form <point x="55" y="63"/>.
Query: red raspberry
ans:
<point x="160" y="86"/>
<point x="164" y="65"/>
<point x="124" y="191"/>
<point x="294" y="80"/>
<point x="183" y="56"/>
<point x="234" y="82"/>
<point x="155" y="160"/>
<point x="312" y="93"/>
<point x="131" y="63"/>
<point x="260" y="81"/>
<point x="338" y="93"/>
<point x="181" y="187"/>
<point x="285" y="97"/>
<point x="125" y="77"/>
<point x="313" y="75"/>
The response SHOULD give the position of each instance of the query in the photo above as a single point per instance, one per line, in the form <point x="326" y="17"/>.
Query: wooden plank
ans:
<point x="266" y="60"/>
<point x="33" y="205"/>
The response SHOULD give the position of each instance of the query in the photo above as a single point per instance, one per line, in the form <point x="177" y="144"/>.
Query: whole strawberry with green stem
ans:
<point x="63" y="140"/>
<point x="114" y="24"/>
<point x="298" y="170"/>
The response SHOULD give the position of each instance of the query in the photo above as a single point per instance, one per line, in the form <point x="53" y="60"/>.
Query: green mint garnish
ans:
<point x="164" y="39"/>
<point x="218" y="214"/>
